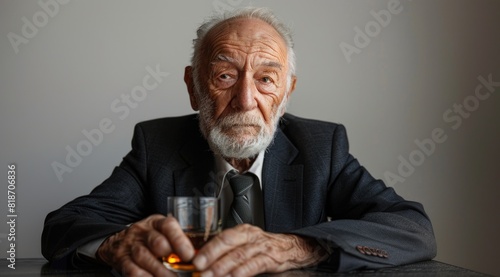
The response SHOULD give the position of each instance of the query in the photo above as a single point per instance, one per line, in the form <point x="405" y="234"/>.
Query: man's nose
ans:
<point x="244" y="94"/>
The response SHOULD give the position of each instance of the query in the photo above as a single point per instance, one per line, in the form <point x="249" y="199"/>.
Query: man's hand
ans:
<point x="135" y="250"/>
<point x="246" y="250"/>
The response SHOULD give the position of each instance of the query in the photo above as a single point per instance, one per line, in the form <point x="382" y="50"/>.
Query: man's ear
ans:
<point x="292" y="85"/>
<point x="188" y="79"/>
<point x="293" y="82"/>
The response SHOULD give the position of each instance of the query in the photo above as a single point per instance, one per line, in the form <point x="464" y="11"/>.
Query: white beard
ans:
<point x="240" y="146"/>
<point x="237" y="146"/>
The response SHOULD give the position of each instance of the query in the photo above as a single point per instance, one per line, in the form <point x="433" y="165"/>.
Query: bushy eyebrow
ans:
<point x="224" y="58"/>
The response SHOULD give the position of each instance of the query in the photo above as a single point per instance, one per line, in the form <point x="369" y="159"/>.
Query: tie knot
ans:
<point x="241" y="183"/>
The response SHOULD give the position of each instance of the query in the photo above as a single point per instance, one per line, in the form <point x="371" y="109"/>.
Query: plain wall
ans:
<point x="410" y="80"/>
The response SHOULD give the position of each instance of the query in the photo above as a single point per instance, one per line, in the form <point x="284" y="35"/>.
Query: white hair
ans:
<point x="263" y="14"/>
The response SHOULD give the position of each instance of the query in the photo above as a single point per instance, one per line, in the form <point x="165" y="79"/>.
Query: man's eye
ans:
<point x="266" y="80"/>
<point x="224" y="76"/>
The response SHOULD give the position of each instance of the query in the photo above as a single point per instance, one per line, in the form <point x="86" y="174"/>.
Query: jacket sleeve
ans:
<point x="108" y="209"/>
<point x="369" y="225"/>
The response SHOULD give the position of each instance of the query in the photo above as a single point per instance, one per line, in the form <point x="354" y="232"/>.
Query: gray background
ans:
<point x="86" y="54"/>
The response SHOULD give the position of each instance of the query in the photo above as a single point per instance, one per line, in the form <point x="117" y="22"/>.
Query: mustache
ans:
<point x="239" y="119"/>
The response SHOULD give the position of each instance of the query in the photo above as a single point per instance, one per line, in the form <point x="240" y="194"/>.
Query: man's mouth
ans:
<point x="236" y="127"/>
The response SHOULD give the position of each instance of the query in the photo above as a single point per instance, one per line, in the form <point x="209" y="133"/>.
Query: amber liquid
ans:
<point x="173" y="262"/>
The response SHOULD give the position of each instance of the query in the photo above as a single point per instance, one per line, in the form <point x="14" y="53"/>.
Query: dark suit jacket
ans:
<point x="312" y="186"/>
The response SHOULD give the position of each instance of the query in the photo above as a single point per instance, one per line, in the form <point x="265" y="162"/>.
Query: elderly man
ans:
<point x="319" y="206"/>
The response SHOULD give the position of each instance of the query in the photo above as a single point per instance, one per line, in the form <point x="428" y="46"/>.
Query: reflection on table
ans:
<point x="40" y="267"/>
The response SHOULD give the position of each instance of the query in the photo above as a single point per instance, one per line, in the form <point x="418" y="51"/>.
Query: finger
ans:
<point x="129" y="268"/>
<point x="158" y="244"/>
<point x="179" y="242"/>
<point x="144" y="259"/>
<point x="221" y="244"/>
<point x="257" y="264"/>
<point x="234" y="259"/>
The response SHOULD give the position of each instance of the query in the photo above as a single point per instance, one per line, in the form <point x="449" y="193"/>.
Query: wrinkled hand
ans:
<point x="246" y="250"/>
<point x="135" y="250"/>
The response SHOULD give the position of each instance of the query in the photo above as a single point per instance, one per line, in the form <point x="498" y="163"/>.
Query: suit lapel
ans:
<point x="282" y="180"/>
<point x="282" y="186"/>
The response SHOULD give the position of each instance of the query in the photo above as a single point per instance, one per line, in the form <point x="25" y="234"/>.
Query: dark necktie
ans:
<point x="246" y="197"/>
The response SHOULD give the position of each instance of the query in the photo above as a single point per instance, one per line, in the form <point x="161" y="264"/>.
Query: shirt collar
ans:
<point x="222" y="168"/>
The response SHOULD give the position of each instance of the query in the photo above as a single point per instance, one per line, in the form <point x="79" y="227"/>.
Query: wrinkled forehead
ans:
<point x="247" y="35"/>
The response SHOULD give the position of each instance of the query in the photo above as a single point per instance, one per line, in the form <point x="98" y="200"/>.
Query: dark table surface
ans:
<point x="40" y="267"/>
